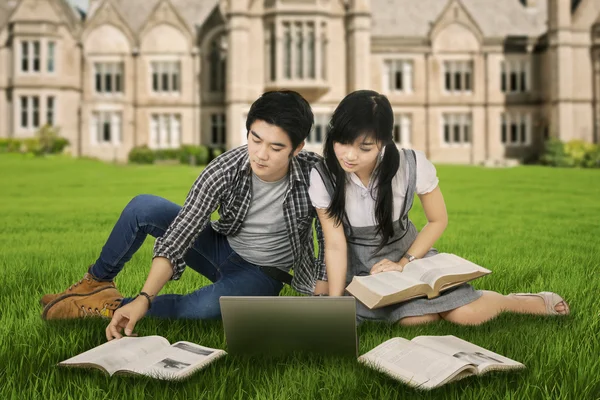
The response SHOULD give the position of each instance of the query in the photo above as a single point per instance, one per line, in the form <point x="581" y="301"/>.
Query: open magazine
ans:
<point x="423" y="277"/>
<point x="427" y="362"/>
<point x="151" y="356"/>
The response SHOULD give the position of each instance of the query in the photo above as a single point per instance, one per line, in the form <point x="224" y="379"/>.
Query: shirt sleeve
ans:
<point x="203" y="198"/>
<point x="317" y="191"/>
<point x="427" y="179"/>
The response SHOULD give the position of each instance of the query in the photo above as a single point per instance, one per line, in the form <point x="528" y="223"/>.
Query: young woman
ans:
<point x="363" y="191"/>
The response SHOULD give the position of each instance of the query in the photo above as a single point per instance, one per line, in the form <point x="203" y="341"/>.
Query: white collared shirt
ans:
<point x="360" y="205"/>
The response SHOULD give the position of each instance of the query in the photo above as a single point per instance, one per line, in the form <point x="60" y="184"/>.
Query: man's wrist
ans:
<point x="146" y="298"/>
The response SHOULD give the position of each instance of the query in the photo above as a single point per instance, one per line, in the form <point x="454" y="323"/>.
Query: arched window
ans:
<point x="218" y="63"/>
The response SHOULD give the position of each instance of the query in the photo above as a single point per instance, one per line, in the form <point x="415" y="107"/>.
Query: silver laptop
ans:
<point x="279" y="325"/>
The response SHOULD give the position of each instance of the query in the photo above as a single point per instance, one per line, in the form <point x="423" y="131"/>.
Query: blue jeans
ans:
<point x="210" y="256"/>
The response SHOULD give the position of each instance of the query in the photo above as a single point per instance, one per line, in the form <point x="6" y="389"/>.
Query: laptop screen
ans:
<point x="278" y="325"/>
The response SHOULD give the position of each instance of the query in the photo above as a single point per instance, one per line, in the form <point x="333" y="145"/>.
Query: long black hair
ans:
<point x="364" y="112"/>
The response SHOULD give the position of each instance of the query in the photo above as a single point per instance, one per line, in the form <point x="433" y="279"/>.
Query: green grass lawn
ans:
<point x="535" y="228"/>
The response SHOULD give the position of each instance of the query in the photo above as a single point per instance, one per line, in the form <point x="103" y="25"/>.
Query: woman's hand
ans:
<point x="387" y="265"/>
<point x="321" y="288"/>
<point x="126" y="317"/>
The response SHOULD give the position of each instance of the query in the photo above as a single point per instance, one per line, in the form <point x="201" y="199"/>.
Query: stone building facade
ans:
<point x="470" y="80"/>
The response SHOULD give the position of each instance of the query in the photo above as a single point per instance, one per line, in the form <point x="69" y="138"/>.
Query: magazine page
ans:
<point x="481" y="358"/>
<point x="414" y="364"/>
<point x="430" y="269"/>
<point x="175" y="362"/>
<point x="117" y="353"/>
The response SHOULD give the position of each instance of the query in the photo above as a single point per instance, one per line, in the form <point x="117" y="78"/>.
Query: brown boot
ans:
<point x="103" y="303"/>
<point x="85" y="286"/>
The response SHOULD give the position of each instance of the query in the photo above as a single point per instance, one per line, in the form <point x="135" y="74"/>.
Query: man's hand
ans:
<point x="387" y="265"/>
<point x="126" y="317"/>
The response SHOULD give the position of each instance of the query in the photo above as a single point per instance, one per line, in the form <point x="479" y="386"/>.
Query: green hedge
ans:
<point x="142" y="155"/>
<point x="216" y="152"/>
<point x="187" y="154"/>
<point x="194" y="155"/>
<point x="10" y="145"/>
<point x="575" y="153"/>
<point x="45" y="141"/>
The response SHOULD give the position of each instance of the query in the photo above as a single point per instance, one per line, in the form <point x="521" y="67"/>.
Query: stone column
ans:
<point x="561" y="76"/>
<point x="238" y="25"/>
<point x="358" y="27"/>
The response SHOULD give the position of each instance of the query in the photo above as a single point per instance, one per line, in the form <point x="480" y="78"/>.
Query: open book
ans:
<point x="423" y="277"/>
<point x="427" y="362"/>
<point x="151" y="356"/>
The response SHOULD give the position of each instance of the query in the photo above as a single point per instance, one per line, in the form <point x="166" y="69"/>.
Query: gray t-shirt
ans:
<point x="262" y="238"/>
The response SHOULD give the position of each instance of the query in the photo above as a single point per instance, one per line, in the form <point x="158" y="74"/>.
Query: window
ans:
<point x="36" y="56"/>
<point x="51" y="56"/>
<point x="108" y="77"/>
<point x="218" y="65"/>
<point x="287" y="50"/>
<point x="398" y="76"/>
<point x="456" y="129"/>
<point x="299" y="50"/>
<point x="515" y="129"/>
<point x="310" y="52"/>
<point x="402" y="129"/>
<point x="25" y="56"/>
<point x="166" y="76"/>
<point x="106" y="127"/>
<point x="30" y="112"/>
<point x="50" y="110"/>
<point x="514" y="76"/>
<point x="30" y="56"/>
<point x="324" y="50"/>
<point x="165" y="131"/>
<point x="218" y="129"/>
<point x="24" y="112"/>
<point x="320" y="129"/>
<point x="271" y="51"/>
<point x="458" y="76"/>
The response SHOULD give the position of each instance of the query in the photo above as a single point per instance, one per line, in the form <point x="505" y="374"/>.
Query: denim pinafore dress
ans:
<point x="363" y="241"/>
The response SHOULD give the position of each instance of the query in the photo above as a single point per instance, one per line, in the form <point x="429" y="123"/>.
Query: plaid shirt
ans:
<point x="226" y="183"/>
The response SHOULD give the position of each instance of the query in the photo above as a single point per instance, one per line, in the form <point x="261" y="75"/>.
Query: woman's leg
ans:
<point x="490" y="304"/>
<point x="420" y="320"/>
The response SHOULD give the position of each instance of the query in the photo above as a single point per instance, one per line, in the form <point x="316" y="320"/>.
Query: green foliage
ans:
<point x="575" y="153"/>
<point x="532" y="226"/>
<point x="10" y="145"/>
<point x="194" y="155"/>
<point x="167" y="154"/>
<point x="216" y="152"/>
<point x="142" y="155"/>
<point x="47" y="140"/>
<point x="48" y="137"/>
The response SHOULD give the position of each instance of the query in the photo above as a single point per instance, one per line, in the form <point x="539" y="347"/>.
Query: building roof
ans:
<point x="495" y="18"/>
<point x="6" y="9"/>
<point x="137" y="12"/>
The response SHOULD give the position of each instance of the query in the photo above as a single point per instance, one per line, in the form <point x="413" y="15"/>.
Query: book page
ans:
<point x="430" y="269"/>
<point x="483" y="359"/>
<point x="414" y="364"/>
<point x="175" y="362"/>
<point x="117" y="353"/>
<point x="387" y="283"/>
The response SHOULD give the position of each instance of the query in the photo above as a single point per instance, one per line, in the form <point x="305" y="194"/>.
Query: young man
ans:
<point x="264" y="230"/>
